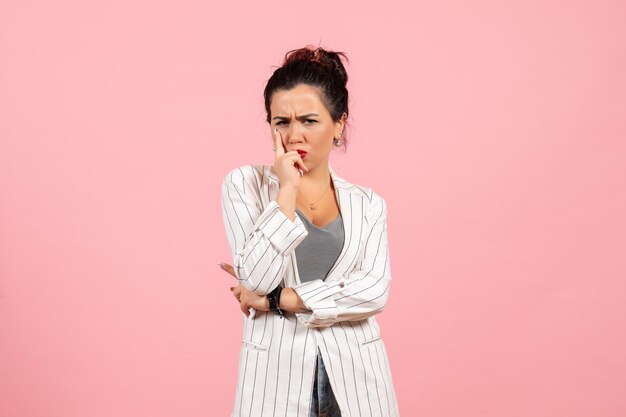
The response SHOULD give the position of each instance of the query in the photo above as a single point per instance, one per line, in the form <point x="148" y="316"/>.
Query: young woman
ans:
<point x="311" y="257"/>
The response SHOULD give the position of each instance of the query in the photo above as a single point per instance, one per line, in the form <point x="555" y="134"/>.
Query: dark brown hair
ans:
<point x="316" y="67"/>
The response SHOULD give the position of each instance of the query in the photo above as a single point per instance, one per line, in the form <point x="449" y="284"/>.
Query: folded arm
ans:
<point x="259" y="240"/>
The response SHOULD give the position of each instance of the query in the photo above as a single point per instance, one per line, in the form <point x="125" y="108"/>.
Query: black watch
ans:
<point x="274" y="298"/>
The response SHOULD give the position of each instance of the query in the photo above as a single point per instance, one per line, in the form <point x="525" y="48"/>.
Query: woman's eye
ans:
<point x="307" y="120"/>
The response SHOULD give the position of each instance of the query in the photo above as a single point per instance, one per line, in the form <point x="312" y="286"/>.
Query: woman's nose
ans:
<point x="292" y="132"/>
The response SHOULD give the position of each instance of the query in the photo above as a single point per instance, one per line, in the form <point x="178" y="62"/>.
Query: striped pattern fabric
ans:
<point x="278" y="355"/>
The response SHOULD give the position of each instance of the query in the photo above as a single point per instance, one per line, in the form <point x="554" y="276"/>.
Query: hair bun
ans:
<point x="320" y="56"/>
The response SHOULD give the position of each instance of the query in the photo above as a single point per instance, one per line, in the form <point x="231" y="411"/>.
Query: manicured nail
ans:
<point x="221" y="264"/>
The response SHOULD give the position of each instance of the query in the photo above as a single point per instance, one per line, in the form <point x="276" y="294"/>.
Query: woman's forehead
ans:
<point x="297" y="102"/>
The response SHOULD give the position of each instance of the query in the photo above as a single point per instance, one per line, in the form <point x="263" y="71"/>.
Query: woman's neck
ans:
<point x="316" y="178"/>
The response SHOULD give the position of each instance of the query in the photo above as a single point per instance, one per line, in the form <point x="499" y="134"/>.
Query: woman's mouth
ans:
<point x="302" y="153"/>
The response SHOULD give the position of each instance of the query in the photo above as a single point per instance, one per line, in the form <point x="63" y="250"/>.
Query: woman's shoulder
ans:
<point x="244" y="173"/>
<point x="375" y="202"/>
<point x="363" y="191"/>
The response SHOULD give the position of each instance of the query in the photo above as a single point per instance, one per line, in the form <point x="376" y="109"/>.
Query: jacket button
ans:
<point x="341" y="284"/>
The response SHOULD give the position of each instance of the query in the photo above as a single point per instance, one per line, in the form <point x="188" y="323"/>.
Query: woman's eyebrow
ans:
<point x="304" y="116"/>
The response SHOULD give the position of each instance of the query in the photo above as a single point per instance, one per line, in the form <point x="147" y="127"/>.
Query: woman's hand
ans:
<point x="289" y="166"/>
<point x="246" y="298"/>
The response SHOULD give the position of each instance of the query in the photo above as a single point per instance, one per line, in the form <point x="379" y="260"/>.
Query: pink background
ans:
<point x="494" y="130"/>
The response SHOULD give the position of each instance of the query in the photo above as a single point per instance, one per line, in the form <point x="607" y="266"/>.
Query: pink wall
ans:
<point x="495" y="131"/>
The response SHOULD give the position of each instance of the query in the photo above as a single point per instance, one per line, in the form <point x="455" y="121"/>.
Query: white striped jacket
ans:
<point x="278" y="356"/>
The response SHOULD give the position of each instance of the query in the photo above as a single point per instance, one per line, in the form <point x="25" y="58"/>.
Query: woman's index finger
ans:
<point x="278" y="142"/>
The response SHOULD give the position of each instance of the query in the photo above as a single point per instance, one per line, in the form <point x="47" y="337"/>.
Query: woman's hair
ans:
<point x="316" y="67"/>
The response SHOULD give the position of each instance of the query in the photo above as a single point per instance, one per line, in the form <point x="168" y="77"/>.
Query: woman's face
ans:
<point x="305" y="123"/>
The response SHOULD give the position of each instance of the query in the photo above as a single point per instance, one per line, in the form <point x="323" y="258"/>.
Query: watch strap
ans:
<point x="274" y="299"/>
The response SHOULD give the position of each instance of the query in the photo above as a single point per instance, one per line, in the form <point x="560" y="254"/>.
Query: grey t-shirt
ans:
<point x="317" y="253"/>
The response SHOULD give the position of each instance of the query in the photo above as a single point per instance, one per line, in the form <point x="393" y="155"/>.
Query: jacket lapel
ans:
<point x="352" y="205"/>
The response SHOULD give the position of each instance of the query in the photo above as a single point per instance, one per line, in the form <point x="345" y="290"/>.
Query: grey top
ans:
<point x="317" y="253"/>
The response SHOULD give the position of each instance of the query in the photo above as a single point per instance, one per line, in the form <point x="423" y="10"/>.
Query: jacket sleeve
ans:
<point x="361" y="293"/>
<point x="259" y="240"/>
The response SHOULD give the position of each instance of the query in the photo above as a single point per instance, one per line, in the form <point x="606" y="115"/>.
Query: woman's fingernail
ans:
<point x="221" y="264"/>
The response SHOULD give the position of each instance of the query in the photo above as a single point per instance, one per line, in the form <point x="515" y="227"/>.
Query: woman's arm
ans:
<point x="291" y="301"/>
<point x="259" y="240"/>
<point x="361" y="293"/>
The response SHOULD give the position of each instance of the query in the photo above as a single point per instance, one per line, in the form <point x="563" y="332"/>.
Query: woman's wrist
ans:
<point x="273" y="299"/>
<point x="286" y="200"/>
<point x="291" y="301"/>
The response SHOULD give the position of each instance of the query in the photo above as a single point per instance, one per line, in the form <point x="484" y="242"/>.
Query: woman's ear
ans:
<point x="341" y="124"/>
